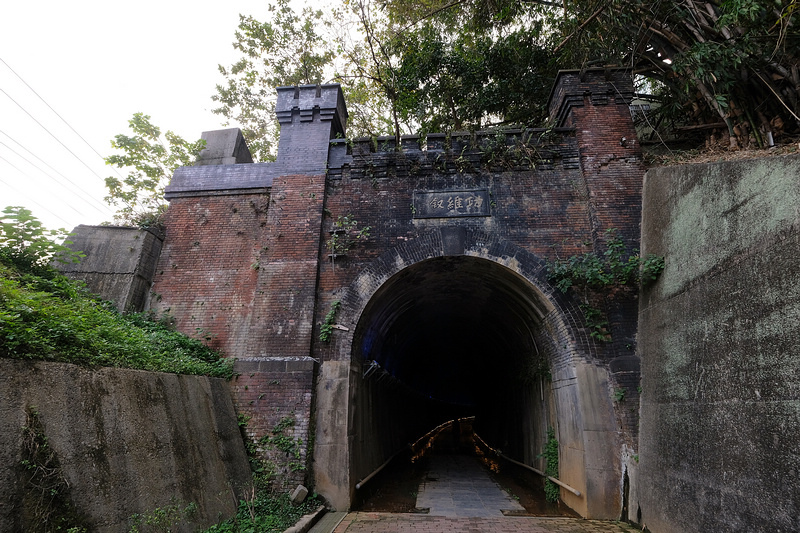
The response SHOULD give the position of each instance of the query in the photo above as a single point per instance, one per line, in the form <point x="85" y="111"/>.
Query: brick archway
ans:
<point x="353" y="435"/>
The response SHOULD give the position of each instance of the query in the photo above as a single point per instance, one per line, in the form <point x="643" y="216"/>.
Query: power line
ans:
<point x="56" y="114"/>
<point x="51" y="134"/>
<point x="25" y="195"/>
<point x="78" y="189"/>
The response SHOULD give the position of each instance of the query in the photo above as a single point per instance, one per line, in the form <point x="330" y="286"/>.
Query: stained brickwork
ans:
<point x="207" y="272"/>
<point x="246" y="257"/>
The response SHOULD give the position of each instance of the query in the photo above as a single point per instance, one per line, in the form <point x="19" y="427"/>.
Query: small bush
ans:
<point x="266" y="512"/>
<point x="44" y="315"/>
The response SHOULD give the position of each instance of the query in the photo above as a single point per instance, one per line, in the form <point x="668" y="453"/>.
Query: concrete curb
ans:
<point x="307" y="521"/>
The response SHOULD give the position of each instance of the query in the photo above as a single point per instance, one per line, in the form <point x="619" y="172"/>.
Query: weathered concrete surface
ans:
<point x="127" y="441"/>
<point x="119" y="263"/>
<point x="224" y="147"/>
<point x="718" y="337"/>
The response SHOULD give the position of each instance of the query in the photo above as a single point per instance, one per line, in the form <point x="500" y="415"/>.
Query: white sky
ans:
<point x="96" y="63"/>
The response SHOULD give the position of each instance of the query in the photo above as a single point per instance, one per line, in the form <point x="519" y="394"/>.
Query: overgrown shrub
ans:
<point x="266" y="512"/>
<point x="45" y="315"/>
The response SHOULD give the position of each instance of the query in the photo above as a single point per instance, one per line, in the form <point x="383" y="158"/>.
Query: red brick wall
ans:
<point x="205" y="276"/>
<point x="253" y="270"/>
<point x="283" y="310"/>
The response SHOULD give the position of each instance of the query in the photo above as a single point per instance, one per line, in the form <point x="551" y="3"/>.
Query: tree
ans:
<point x="484" y="63"/>
<point x="441" y="65"/>
<point x="151" y="160"/>
<point x="286" y="50"/>
<point x="729" y="63"/>
<point x="732" y="62"/>
<point x="28" y="246"/>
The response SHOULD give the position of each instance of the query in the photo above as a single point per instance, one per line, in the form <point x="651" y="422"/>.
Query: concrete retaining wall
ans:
<point x="718" y="338"/>
<point x="125" y="442"/>
<point x="119" y="263"/>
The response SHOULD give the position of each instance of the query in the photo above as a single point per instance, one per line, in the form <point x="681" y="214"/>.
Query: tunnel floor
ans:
<point x="397" y="487"/>
<point x="456" y="485"/>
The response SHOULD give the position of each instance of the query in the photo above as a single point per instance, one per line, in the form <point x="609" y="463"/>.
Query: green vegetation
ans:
<point x="345" y="234"/>
<point x="326" y="329"/>
<point x="27" y="245"/>
<point x="440" y="65"/>
<point x="619" y="394"/>
<point x="551" y="490"/>
<point x="596" y="277"/>
<point x="46" y="504"/>
<point x="162" y="519"/>
<point x="266" y="512"/>
<point x="590" y="271"/>
<point x="265" y="509"/>
<point x="44" y="315"/>
<point x="151" y="160"/>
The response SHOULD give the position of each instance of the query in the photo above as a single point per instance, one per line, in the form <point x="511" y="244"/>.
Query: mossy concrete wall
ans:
<point x="125" y="442"/>
<point x="119" y="263"/>
<point x="718" y="338"/>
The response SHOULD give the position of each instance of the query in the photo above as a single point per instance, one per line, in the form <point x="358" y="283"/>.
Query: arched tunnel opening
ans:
<point x="451" y="338"/>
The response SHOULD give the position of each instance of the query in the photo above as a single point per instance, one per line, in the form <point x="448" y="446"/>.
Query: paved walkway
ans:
<point x="458" y="486"/>
<point x="462" y="498"/>
<point x="419" y="523"/>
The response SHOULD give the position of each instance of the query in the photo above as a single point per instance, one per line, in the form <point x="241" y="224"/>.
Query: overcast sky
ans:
<point x="96" y="63"/>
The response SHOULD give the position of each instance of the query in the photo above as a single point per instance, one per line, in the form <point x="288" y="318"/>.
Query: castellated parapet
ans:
<point x="247" y="260"/>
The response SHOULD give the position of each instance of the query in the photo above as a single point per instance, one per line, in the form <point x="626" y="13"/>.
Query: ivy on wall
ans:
<point x="591" y="273"/>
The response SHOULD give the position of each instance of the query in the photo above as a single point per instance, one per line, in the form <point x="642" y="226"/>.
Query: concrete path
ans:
<point x="458" y="486"/>
<point x="462" y="498"/>
<point x="419" y="523"/>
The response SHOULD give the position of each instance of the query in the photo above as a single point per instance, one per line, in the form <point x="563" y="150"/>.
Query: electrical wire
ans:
<point x="25" y="195"/>
<point x="51" y="134"/>
<point x="78" y="189"/>
<point x="51" y="109"/>
<point x="116" y="171"/>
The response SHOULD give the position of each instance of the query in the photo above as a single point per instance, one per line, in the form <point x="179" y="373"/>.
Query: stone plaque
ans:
<point x="446" y="204"/>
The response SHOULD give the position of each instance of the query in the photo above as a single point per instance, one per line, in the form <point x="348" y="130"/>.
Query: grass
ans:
<point x="46" y="316"/>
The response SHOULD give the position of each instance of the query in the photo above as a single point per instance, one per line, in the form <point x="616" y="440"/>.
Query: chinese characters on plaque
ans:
<point x="466" y="203"/>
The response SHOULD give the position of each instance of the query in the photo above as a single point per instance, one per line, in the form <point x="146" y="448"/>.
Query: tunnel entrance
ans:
<point x="448" y="338"/>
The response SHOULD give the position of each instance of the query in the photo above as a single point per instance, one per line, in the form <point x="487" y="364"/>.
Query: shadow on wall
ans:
<point x="93" y="448"/>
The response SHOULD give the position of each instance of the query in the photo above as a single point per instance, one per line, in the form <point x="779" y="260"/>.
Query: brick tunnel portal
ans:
<point x="450" y="337"/>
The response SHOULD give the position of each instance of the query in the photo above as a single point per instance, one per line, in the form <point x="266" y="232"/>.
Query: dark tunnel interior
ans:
<point x="455" y="335"/>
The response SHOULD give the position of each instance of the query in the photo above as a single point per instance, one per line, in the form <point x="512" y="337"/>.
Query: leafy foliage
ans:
<point x="266" y="512"/>
<point x="732" y="62"/>
<point x="345" y="234"/>
<point x="326" y="330"/>
<point x="457" y="76"/>
<point x="596" y="322"/>
<point x="162" y="519"/>
<point x="441" y="65"/>
<point x="57" y="319"/>
<point x="551" y="490"/>
<point x="286" y="50"/>
<point x="590" y="271"/>
<point x="27" y="245"/>
<point x="44" y="315"/>
<point x="151" y="160"/>
<point x="264" y="509"/>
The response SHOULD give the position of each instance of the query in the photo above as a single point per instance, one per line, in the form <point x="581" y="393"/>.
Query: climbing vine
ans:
<point x="601" y="275"/>
<point x="551" y="490"/>
<point x="345" y="234"/>
<point x="326" y="329"/>
<point x="590" y="271"/>
<point x="286" y="444"/>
